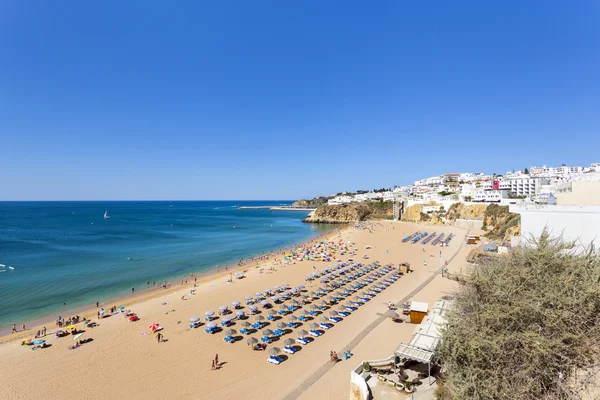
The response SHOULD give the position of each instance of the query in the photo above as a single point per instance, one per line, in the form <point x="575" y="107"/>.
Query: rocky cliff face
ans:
<point x="314" y="203"/>
<point x="497" y="220"/>
<point x="347" y="213"/>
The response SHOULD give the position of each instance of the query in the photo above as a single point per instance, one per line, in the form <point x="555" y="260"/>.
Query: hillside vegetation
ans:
<point x="523" y="325"/>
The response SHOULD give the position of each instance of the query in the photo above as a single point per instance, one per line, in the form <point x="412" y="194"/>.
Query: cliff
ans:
<point x="496" y="219"/>
<point x="353" y="212"/>
<point x="314" y="203"/>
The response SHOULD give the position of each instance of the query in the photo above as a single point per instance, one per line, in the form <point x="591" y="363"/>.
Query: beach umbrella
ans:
<point x="301" y="333"/>
<point x="288" y="342"/>
<point x="281" y="325"/>
<point x="314" y="325"/>
<point x="313" y="307"/>
<point x="258" y="294"/>
<point x="285" y="284"/>
<point x="230" y="332"/>
<point x="301" y="287"/>
<point x="246" y="324"/>
<point x="251" y="341"/>
<point x="259" y="318"/>
<point x="267" y="332"/>
<point x="193" y="320"/>
<point x="154" y="327"/>
<point x="226" y="320"/>
<point x="77" y="336"/>
<point x="211" y="325"/>
<point x="274" y="351"/>
<point x="292" y="318"/>
<point x="276" y="287"/>
<point x="272" y="312"/>
<point x="235" y="304"/>
<point x="264" y="303"/>
<point x="333" y="313"/>
<point x="392" y="314"/>
<point x="283" y="307"/>
<point x="254" y="308"/>
<point x="324" y="319"/>
<point x="39" y="341"/>
<point x="274" y="299"/>
<point x="303" y="312"/>
<point x="343" y="308"/>
<point x="312" y="293"/>
<point x="223" y="308"/>
<point x="209" y="313"/>
<point x="247" y="298"/>
<point x="240" y="313"/>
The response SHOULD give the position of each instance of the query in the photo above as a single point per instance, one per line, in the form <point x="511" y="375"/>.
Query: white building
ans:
<point x="528" y="187"/>
<point x="573" y="223"/>
<point x="490" y="196"/>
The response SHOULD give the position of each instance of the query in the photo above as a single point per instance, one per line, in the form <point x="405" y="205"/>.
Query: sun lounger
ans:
<point x="324" y="326"/>
<point x="302" y="318"/>
<point x="271" y="318"/>
<point x="289" y="350"/>
<point x="343" y="313"/>
<point x="303" y="341"/>
<point x="278" y="332"/>
<point x="335" y="319"/>
<point x="229" y="339"/>
<point x="274" y="360"/>
<point x="312" y="312"/>
<point x="265" y="339"/>
<point x="314" y="333"/>
<point x="281" y="312"/>
<point x="291" y="325"/>
<point x="245" y="331"/>
<point x="212" y="331"/>
<point x="257" y="325"/>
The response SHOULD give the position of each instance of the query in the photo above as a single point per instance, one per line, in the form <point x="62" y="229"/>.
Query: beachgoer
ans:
<point x="14" y="330"/>
<point x="132" y="290"/>
<point x="217" y="361"/>
<point x="212" y="368"/>
<point x="44" y="331"/>
<point x="97" y="304"/>
<point x="23" y="327"/>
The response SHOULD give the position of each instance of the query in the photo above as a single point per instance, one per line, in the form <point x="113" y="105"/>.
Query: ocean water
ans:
<point x="66" y="252"/>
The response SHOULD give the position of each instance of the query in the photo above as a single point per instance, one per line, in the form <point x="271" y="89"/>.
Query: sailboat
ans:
<point x="106" y="216"/>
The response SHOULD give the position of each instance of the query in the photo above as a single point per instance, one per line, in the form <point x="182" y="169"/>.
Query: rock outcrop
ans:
<point x="314" y="203"/>
<point x="353" y="212"/>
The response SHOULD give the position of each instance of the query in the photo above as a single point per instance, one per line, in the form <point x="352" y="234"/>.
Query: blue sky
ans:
<point x="288" y="99"/>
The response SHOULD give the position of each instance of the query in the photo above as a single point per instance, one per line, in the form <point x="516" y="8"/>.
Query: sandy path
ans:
<point x="120" y="363"/>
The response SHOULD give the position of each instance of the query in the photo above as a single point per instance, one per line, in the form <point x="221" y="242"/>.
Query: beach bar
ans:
<point x="418" y="311"/>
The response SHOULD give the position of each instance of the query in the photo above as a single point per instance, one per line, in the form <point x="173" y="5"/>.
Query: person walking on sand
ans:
<point x="23" y="327"/>
<point x="14" y="330"/>
<point x="213" y="366"/>
<point x="216" y="361"/>
<point x="132" y="290"/>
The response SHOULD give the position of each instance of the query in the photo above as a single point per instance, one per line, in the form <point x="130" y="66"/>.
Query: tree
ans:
<point x="523" y="324"/>
<point x="526" y="171"/>
<point x="468" y="198"/>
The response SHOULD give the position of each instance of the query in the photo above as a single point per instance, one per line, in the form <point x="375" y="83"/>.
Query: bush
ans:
<point x="523" y="324"/>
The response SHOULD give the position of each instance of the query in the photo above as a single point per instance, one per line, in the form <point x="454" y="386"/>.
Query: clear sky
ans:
<point x="288" y="99"/>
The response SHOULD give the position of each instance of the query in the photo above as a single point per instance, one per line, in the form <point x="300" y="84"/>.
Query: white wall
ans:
<point x="575" y="223"/>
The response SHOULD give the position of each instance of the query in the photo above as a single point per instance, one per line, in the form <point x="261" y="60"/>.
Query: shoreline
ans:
<point x="153" y="292"/>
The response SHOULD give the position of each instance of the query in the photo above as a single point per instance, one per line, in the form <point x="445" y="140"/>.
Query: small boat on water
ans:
<point x="106" y="216"/>
<point x="11" y="267"/>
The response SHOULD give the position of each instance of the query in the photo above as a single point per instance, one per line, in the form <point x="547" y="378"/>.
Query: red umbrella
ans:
<point x="154" y="327"/>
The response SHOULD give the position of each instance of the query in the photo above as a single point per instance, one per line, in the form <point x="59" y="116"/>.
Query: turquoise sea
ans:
<point x="66" y="252"/>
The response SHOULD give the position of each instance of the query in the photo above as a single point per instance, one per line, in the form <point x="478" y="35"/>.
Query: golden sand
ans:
<point x="121" y="363"/>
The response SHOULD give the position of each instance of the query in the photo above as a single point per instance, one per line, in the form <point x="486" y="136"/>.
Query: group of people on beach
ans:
<point x="14" y="328"/>
<point x="60" y="321"/>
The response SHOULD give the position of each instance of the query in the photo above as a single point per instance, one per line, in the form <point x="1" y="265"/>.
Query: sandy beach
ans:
<point x="121" y="362"/>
